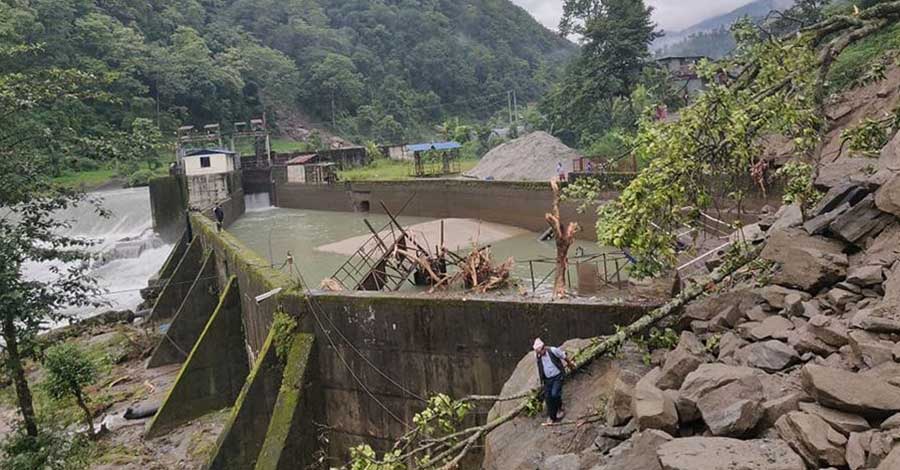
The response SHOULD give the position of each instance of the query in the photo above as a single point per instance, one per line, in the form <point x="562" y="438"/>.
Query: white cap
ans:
<point x="538" y="345"/>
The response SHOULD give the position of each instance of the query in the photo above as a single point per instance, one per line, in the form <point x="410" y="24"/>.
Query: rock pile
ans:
<point x="800" y="371"/>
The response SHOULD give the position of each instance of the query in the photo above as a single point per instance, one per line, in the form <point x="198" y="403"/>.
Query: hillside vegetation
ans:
<point x="382" y="69"/>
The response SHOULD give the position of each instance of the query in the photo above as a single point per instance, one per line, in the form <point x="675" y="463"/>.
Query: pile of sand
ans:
<point x="459" y="234"/>
<point x="529" y="158"/>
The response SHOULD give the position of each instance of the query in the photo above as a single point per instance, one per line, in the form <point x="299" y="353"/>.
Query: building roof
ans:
<point x="196" y="152"/>
<point x="434" y="146"/>
<point x="302" y="159"/>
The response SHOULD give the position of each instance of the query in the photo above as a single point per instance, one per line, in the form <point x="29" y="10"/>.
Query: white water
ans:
<point x="258" y="202"/>
<point x="128" y="251"/>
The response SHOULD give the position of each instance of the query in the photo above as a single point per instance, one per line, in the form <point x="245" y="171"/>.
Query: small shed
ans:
<point x="435" y="159"/>
<point x="311" y="169"/>
<point x="209" y="162"/>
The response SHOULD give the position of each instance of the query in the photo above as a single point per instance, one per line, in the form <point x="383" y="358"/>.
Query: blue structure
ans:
<point x="446" y="163"/>
<point x="433" y="146"/>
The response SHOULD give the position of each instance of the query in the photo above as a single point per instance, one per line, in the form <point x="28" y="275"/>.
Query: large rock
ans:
<point x="847" y="391"/>
<point x="775" y="326"/>
<point x="681" y="361"/>
<point x="651" y="407"/>
<point x="869" y="349"/>
<point x="719" y="453"/>
<point x="807" y="262"/>
<point x="639" y="452"/>
<point x="845" y="423"/>
<point x="892" y="461"/>
<point x="789" y="216"/>
<point x="866" y="275"/>
<point x="770" y="356"/>
<point x="885" y="249"/>
<point x="706" y="309"/>
<point x="831" y="331"/>
<point x="618" y="407"/>
<point x="817" y="442"/>
<point x="861" y="220"/>
<point x="779" y="297"/>
<point x="856" y="449"/>
<point x="888" y="196"/>
<point x="729" y="399"/>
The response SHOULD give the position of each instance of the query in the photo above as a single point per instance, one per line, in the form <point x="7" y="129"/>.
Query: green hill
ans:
<point x="385" y="69"/>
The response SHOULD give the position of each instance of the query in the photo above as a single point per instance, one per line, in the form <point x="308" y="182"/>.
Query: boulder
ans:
<point x="861" y="220"/>
<point x="846" y="192"/>
<point x="887" y="198"/>
<point x="840" y="298"/>
<point x="704" y="310"/>
<point x="770" y="356"/>
<point x="639" y="452"/>
<point x="869" y="349"/>
<point x="847" y="391"/>
<point x="651" y="407"/>
<point x="618" y="407"/>
<point x="891" y="423"/>
<point x="804" y="340"/>
<point x="807" y="262"/>
<point x="845" y="423"/>
<point x="789" y="216"/>
<point x="881" y="445"/>
<point x="729" y="344"/>
<point x="817" y="442"/>
<point x="829" y="330"/>
<point x="719" y="453"/>
<point x="892" y="461"/>
<point x="733" y="410"/>
<point x="703" y="381"/>
<point x="681" y="361"/>
<point x="866" y="275"/>
<point x="856" y="449"/>
<point x="884" y="250"/>
<point x="775" y="295"/>
<point x="819" y="224"/>
<point x="772" y="327"/>
<point x="877" y="320"/>
<point x="561" y="462"/>
<point x="779" y="406"/>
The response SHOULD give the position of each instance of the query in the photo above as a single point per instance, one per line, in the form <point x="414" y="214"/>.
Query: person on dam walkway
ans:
<point x="220" y="216"/>
<point x="551" y="364"/>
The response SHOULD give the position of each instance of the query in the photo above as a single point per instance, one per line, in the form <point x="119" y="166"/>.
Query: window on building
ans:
<point x="204" y="162"/>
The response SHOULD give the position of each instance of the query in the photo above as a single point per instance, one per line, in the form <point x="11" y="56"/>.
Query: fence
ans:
<point x="592" y="271"/>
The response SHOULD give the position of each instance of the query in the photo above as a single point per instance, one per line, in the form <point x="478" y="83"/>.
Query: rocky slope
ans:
<point x="796" y="369"/>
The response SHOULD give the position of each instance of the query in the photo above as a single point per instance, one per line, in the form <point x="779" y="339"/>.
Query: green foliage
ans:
<point x="712" y="344"/>
<point x="284" y="327"/>
<point x="69" y="370"/>
<point x="867" y="138"/>
<point x="52" y="449"/>
<point x="442" y="415"/>
<point x="864" y="55"/>
<point x="141" y="178"/>
<point x="364" y="458"/>
<point x="708" y="153"/>
<point x="799" y="188"/>
<point x="615" y="46"/>
<point x="373" y="151"/>
<point x="666" y="339"/>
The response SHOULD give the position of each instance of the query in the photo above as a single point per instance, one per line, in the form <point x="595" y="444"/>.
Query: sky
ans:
<point x="670" y="15"/>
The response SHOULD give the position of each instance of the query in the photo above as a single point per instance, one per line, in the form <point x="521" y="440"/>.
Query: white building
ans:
<point x="209" y="162"/>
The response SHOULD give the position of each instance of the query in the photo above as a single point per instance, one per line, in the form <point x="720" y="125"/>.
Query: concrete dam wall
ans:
<point x="358" y="362"/>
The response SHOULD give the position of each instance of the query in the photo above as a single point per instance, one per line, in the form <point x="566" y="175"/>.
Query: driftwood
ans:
<point x="564" y="235"/>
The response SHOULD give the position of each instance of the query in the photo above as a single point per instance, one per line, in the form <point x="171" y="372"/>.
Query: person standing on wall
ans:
<point x="551" y="364"/>
<point x="220" y="216"/>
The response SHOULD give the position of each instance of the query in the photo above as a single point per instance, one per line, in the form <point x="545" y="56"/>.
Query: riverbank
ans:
<point x="119" y="350"/>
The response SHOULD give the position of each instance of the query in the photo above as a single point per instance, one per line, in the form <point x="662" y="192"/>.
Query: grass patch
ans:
<point x="85" y="179"/>
<point x="858" y="58"/>
<point x="391" y="170"/>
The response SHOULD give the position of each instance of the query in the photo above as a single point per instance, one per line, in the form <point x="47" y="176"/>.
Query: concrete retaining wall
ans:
<point x="168" y="204"/>
<point x="427" y="345"/>
<point x="517" y="204"/>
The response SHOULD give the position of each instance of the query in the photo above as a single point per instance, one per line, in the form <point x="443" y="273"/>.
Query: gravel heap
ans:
<point x="529" y="158"/>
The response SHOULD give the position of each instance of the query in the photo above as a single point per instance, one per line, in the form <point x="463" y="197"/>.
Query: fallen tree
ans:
<point x="564" y="235"/>
<point x="436" y="443"/>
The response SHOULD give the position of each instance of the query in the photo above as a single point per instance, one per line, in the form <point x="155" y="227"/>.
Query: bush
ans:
<point x="53" y="449"/>
<point x="140" y="178"/>
<point x="69" y="370"/>
<point x="84" y="164"/>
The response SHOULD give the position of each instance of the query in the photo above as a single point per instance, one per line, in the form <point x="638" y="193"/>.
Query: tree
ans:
<point x="145" y="142"/>
<point x="30" y="228"/>
<point x="564" y="235"/>
<point x="69" y="370"/>
<point x="615" y="48"/>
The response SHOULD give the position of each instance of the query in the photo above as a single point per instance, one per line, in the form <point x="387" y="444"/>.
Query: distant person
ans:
<point x="551" y="365"/>
<point x="220" y="216"/>
<point x="590" y="166"/>
<point x="560" y="172"/>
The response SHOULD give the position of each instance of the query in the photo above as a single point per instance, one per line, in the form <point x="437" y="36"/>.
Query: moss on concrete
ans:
<point x="289" y="430"/>
<point x="207" y="379"/>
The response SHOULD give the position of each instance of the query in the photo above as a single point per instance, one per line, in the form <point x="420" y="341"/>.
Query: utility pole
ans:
<point x="516" y="107"/>
<point x="509" y="101"/>
<point x="333" y="119"/>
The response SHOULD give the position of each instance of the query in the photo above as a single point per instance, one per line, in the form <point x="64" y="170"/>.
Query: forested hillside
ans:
<point x="380" y="69"/>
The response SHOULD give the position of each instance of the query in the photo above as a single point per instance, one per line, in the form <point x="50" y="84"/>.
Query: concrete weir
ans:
<point x="358" y="363"/>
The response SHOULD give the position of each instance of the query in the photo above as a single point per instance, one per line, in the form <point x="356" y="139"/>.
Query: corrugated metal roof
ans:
<point x="195" y="152"/>
<point x="303" y="159"/>
<point x="433" y="146"/>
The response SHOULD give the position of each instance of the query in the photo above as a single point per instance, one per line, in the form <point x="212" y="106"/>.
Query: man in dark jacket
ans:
<point x="220" y="216"/>
<point x="552" y="364"/>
